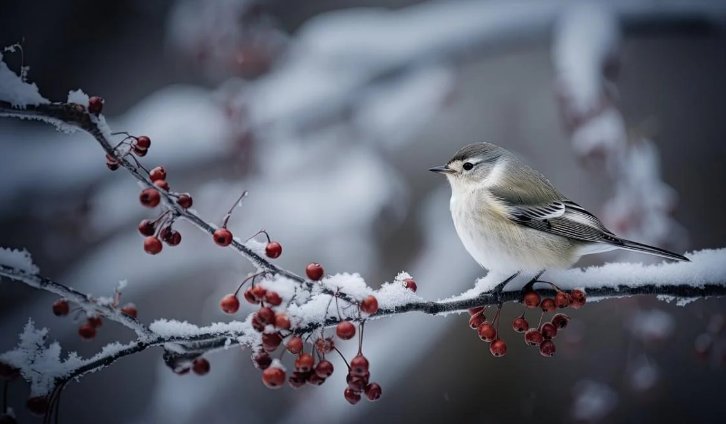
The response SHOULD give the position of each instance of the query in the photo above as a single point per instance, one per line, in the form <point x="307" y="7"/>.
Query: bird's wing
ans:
<point x="530" y="200"/>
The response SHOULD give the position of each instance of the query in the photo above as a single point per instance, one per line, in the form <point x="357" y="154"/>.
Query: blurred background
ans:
<point x="330" y="113"/>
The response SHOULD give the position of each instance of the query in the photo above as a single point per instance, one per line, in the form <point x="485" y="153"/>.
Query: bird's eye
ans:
<point x="468" y="166"/>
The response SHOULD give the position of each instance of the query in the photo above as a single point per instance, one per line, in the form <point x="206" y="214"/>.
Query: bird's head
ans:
<point x="471" y="165"/>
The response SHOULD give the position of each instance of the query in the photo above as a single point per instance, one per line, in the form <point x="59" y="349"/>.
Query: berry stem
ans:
<point x="262" y="231"/>
<point x="229" y="212"/>
<point x="342" y="357"/>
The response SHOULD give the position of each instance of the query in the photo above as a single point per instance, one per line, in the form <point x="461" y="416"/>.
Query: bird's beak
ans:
<point x="442" y="170"/>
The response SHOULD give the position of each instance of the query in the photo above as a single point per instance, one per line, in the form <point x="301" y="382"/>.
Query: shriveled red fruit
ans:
<point x="351" y="396"/>
<point x="578" y="298"/>
<point x="61" y="308"/>
<point x="38" y="405"/>
<point x="174" y="238"/>
<point x="95" y="321"/>
<point x="520" y="325"/>
<point x="297" y="379"/>
<point x="259" y="292"/>
<point x="315" y="380"/>
<point x="266" y="315"/>
<point x="325" y="345"/>
<point x="486" y="331"/>
<point x="531" y="299"/>
<point x="295" y="345"/>
<point x="200" y="366"/>
<point x="158" y="173"/>
<point x="130" y="310"/>
<point x="314" y="271"/>
<point x="282" y="321"/>
<point x="548" y="305"/>
<point x="162" y="184"/>
<point x="560" y="320"/>
<point x="229" y="304"/>
<point x="146" y="228"/>
<point x="270" y="341"/>
<point x="273" y="250"/>
<point x="369" y="305"/>
<point x="359" y="365"/>
<point x="261" y="360"/>
<point x="324" y="368"/>
<point x="476" y="320"/>
<point x="273" y="377"/>
<point x="87" y="331"/>
<point x="95" y="104"/>
<point x="373" y="392"/>
<point x="273" y="298"/>
<point x="548" y="330"/>
<point x="185" y="200"/>
<point x="356" y="383"/>
<point x="498" y="348"/>
<point x="249" y="296"/>
<point x="547" y="348"/>
<point x="222" y="236"/>
<point x="8" y="372"/>
<point x="410" y="284"/>
<point x="562" y="300"/>
<point x="345" y="330"/>
<point x="149" y="197"/>
<point x="533" y="337"/>
<point x="304" y="362"/>
<point x="143" y="141"/>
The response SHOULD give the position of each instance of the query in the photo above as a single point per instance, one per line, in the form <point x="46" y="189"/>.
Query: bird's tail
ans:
<point x="640" y="247"/>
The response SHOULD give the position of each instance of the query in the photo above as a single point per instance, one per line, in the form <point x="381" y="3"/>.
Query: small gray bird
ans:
<point x="510" y="218"/>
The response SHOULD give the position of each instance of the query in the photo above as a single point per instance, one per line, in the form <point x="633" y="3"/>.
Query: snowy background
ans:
<point x="330" y="113"/>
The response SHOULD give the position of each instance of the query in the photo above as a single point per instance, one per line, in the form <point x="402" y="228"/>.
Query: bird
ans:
<point x="510" y="218"/>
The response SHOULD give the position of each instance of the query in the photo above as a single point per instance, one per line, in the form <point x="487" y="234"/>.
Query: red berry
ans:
<point x="229" y="304"/>
<point x="304" y="362"/>
<point x="143" y="142"/>
<point x="282" y="321"/>
<point x="531" y="299"/>
<point x="273" y="377"/>
<point x="356" y="383"/>
<point x="162" y="184"/>
<point x="547" y="348"/>
<point x="140" y="151"/>
<point x="297" y="379"/>
<point x="95" y="105"/>
<point x="185" y="200"/>
<point x="474" y="311"/>
<point x="259" y="293"/>
<point x="373" y="391"/>
<point x="324" y="369"/>
<point x="410" y="284"/>
<point x="533" y="337"/>
<point x="359" y="365"/>
<point x="314" y="271"/>
<point x="130" y="310"/>
<point x="351" y="396"/>
<point x="262" y="360"/>
<point x="498" y="348"/>
<point x="273" y="298"/>
<point x="111" y="162"/>
<point x="273" y="250"/>
<point x="249" y="297"/>
<point x="487" y="332"/>
<point x="257" y="325"/>
<point x="345" y="330"/>
<point x="87" y="331"/>
<point x="158" y="173"/>
<point x="200" y="366"/>
<point x="8" y="372"/>
<point x="266" y="315"/>
<point x="152" y="245"/>
<point x="548" y="305"/>
<point x="562" y="300"/>
<point x="270" y="341"/>
<point x="578" y="298"/>
<point x="61" y="308"/>
<point x="324" y="345"/>
<point x="520" y="324"/>
<point x="315" y="379"/>
<point x="295" y="345"/>
<point x="38" y="405"/>
<point x="174" y="238"/>
<point x="369" y="305"/>
<point x="560" y="320"/>
<point x="146" y="228"/>
<point x="476" y="320"/>
<point x="222" y="236"/>
<point x="165" y="233"/>
<point x="150" y="197"/>
<point x="548" y="330"/>
<point x="95" y="321"/>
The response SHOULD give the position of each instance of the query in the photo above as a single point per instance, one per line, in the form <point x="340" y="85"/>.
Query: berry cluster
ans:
<point x="541" y="335"/>
<point x="88" y="328"/>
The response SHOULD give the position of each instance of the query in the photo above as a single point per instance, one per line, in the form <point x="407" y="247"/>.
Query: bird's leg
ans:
<point x="497" y="290"/>
<point x="530" y="283"/>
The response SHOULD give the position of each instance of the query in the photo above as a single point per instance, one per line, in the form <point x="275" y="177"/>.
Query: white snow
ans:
<point x="15" y="90"/>
<point x="351" y="284"/>
<point x="78" y="97"/>
<point x="18" y="258"/>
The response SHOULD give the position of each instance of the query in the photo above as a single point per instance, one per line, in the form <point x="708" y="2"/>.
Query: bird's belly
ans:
<point x="498" y="244"/>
